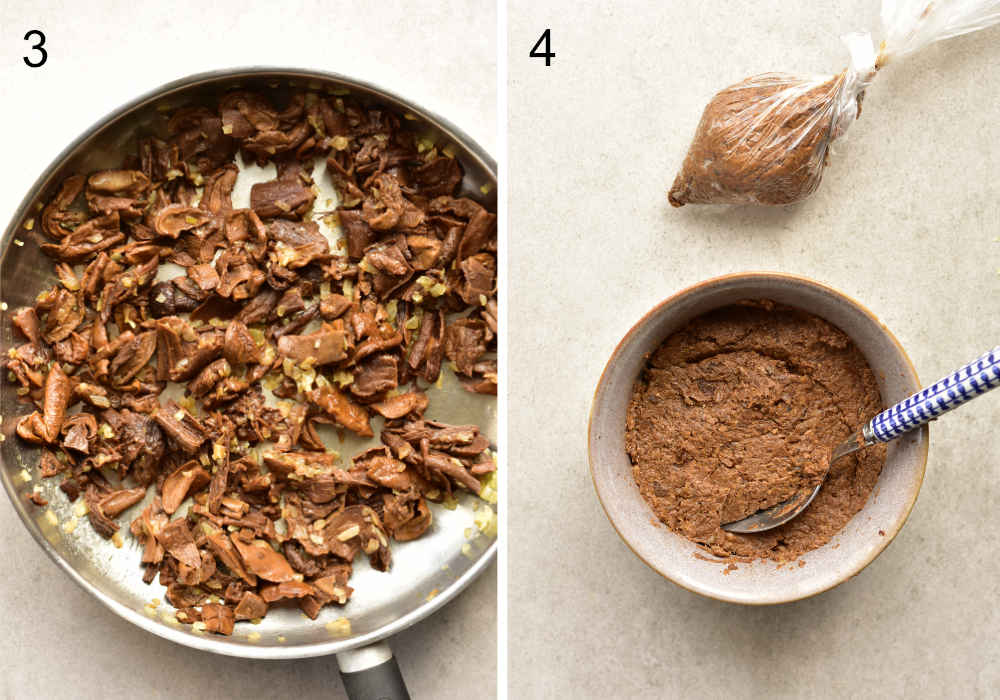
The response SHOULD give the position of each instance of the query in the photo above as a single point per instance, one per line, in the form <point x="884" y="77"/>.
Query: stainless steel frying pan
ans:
<point x="426" y="573"/>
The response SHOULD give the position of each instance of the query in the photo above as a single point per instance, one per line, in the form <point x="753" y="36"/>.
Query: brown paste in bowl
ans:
<point x="740" y="409"/>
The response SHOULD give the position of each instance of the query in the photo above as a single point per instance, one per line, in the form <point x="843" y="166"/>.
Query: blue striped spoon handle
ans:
<point x="965" y="384"/>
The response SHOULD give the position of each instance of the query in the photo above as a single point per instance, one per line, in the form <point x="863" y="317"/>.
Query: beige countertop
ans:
<point x="904" y="221"/>
<point x="60" y="643"/>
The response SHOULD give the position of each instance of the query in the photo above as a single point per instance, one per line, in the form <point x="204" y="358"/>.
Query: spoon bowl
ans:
<point x="781" y="513"/>
<point x="959" y="387"/>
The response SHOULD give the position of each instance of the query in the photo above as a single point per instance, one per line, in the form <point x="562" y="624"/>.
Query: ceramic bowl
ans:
<point x="760" y="582"/>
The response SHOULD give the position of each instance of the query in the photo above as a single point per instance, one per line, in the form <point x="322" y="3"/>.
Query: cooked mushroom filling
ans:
<point x="211" y="385"/>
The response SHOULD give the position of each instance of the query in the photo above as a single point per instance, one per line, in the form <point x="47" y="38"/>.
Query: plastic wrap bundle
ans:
<point x="765" y="140"/>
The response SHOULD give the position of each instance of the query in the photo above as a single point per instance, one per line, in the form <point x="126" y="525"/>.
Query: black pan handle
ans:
<point x="371" y="673"/>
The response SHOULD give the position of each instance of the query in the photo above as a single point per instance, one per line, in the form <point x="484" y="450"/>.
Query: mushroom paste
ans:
<point x="740" y="409"/>
<point x="761" y="141"/>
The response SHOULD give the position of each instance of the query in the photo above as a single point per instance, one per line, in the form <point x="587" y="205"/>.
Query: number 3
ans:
<point x="37" y="47"/>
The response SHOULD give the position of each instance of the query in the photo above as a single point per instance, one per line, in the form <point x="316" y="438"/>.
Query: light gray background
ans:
<point x="59" y="643"/>
<point x="904" y="222"/>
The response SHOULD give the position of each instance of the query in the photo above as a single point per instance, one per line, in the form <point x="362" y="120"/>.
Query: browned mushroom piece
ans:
<point x="26" y="321"/>
<point x="205" y="276"/>
<point x="342" y="409"/>
<point x="124" y="183"/>
<point x="87" y="240"/>
<point x="261" y="560"/>
<point x="412" y="402"/>
<point x="178" y="541"/>
<point x="484" y="378"/>
<point x="73" y="350"/>
<point x="217" y="618"/>
<point x="333" y="306"/>
<point x="375" y="376"/>
<point x="321" y="347"/>
<point x="356" y="529"/>
<point x="334" y="588"/>
<point x="287" y="589"/>
<point x="58" y="220"/>
<point x="479" y="232"/>
<point x="102" y="524"/>
<point x="286" y="197"/>
<point x="226" y="552"/>
<point x="181" y="426"/>
<point x="132" y="357"/>
<point x="384" y="469"/>
<point x="187" y="477"/>
<point x="141" y="445"/>
<point x="117" y="502"/>
<point x="146" y="527"/>
<point x="58" y="391"/>
<point x="453" y="467"/>
<point x="478" y="275"/>
<point x="251" y="607"/>
<point x="358" y="233"/>
<point x="49" y="465"/>
<point x="440" y="176"/>
<point x="217" y="195"/>
<point x="209" y="377"/>
<point x="417" y="525"/>
<point x="239" y="347"/>
<point x="174" y="219"/>
<point x="31" y="428"/>
<point x="297" y="244"/>
<point x="465" y="342"/>
<point x="63" y="311"/>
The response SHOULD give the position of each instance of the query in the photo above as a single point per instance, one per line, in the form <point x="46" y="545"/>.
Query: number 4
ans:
<point x="544" y="41"/>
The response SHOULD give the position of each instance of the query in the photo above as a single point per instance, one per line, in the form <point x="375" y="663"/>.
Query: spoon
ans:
<point x="965" y="384"/>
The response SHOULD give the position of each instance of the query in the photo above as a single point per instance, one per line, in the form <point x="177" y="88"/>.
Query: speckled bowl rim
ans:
<point x="893" y="529"/>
